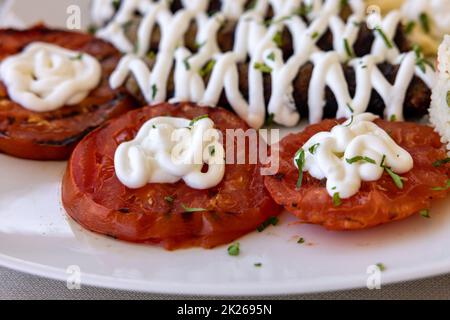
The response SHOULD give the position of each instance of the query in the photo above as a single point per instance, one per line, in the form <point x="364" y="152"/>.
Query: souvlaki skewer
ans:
<point x="259" y="76"/>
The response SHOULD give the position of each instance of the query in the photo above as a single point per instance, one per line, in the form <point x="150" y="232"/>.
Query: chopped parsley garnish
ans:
<point x="351" y="121"/>
<point x="424" y="22"/>
<point x="189" y="210"/>
<point x="264" y="68"/>
<point x="409" y="27"/>
<point x="397" y="179"/>
<point x="151" y="55"/>
<point x="77" y="57"/>
<point x="344" y="3"/>
<point x="272" y="221"/>
<point x="116" y="4"/>
<point x="348" y="49"/>
<point x="444" y="188"/>
<point x="252" y="5"/>
<point x="271" y="56"/>
<point x="195" y="120"/>
<point x="212" y="151"/>
<point x="337" y="199"/>
<point x="360" y="158"/>
<point x="300" y="161"/>
<point x="381" y="266"/>
<point x="313" y="148"/>
<point x="350" y="108"/>
<point x="315" y="35"/>
<point x="269" y="121"/>
<point x="234" y="249"/>
<point x="441" y="162"/>
<point x="169" y="199"/>
<point x="425" y="213"/>
<point x="393" y="118"/>
<point x="421" y="62"/>
<point x="187" y="65"/>
<point x="384" y="37"/>
<point x="258" y="265"/>
<point x="304" y="9"/>
<point x="154" y="91"/>
<point x="278" y="39"/>
<point x="208" y="68"/>
<point x="301" y="241"/>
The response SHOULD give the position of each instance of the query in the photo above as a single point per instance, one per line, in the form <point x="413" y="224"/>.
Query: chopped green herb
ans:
<point x="424" y="22"/>
<point x="169" y="199"/>
<point x="425" y="213"/>
<point x="351" y="121"/>
<point x="409" y="27"/>
<point x="313" y="148"/>
<point x="269" y="121"/>
<point x="212" y="151"/>
<point x="300" y="161"/>
<point x="315" y="35"/>
<point x="344" y="3"/>
<point x="421" y="61"/>
<point x="383" y="160"/>
<point x="258" y="265"/>
<point x="397" y="179"/>
<point x="301" y="241"/>
<point x="337" y="199"/>
<point x="350" y="108"/>
<point x="252" y="5"/>
<point x="334" y="188"/>
<point x="234" y="249"/>
<point x="77" y="57"/>
<point x="208" y="68"/>
<point x="154" y="91"/>
<point x="441" y="162"/>
<point x="187" y="65"/>
<point x="151" y="55"/>
<point x="381" y="266"/>
<point x="304" y="9"/>
<point x="189" y="210"/>
<point x="276" y="21"/>
<point x="446" y="187"/>
<point x="271" y="56"/>
<point x="116" y="4"/>
<point x="448" y="98"/>
<point x="195" y="120"/>
<point x="393" y="118"/>
<point x="264" y="68"/>
<point x="360" y="158"/>
<point x="278" y="39"/>
<point x="272" y="221"/>
<point x="348" y="49"/>
<point x="92" y="30"/>
<point x="384" y="37"/>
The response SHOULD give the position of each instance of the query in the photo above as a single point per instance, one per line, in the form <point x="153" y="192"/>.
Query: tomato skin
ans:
<point x="377" y="202"/>
<point x="94" y="197"/>
<point x="53" y="135"/>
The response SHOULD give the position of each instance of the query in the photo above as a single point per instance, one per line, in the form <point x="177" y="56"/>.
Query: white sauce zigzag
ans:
<point x="254" y="41"/>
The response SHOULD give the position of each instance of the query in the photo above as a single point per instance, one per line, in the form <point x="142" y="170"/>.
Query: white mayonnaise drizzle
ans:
<point x="168" y="149"/>
<point x="45" y="77"/>
<point x="254" y="41"/>
<point x="102" y="11"/>
<point x="326" y="155"/>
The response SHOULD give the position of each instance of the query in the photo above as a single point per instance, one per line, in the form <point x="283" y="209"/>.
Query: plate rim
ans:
<point x="246" y="289"/>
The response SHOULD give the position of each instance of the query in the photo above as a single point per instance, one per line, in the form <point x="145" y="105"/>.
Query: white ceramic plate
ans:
<point x="37" y="237"/>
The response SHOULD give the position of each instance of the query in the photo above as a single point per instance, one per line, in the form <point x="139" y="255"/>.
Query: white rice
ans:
<point x="440" y="99"/>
